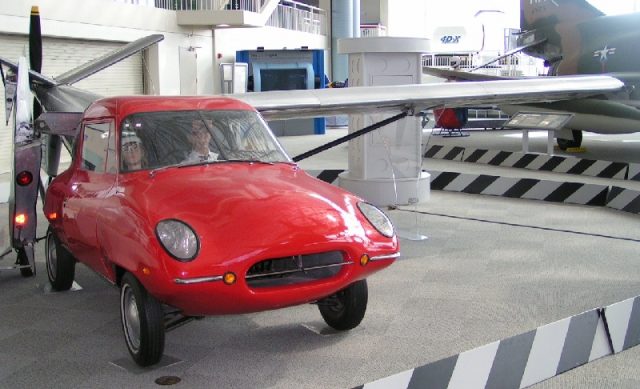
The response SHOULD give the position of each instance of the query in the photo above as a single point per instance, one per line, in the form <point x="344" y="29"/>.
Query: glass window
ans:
<point x="95" y="145"/>
<point x="191" y="137"/>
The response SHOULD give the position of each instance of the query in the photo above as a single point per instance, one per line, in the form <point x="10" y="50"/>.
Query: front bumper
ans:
<point x="210" y="295"/>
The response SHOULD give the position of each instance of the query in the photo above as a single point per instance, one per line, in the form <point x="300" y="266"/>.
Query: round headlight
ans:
<point x="377" y="218"/>
<point x="178" y="239"/>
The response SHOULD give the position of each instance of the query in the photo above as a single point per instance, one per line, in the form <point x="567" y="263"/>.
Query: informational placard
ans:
<point x="538" y="120"/>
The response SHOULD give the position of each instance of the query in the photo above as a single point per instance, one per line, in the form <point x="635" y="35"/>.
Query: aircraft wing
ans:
<point x="457" y="75"/>
<point x="98" y="64"/>
<point x="90" y="67"/>
<point x="389" y="99"/>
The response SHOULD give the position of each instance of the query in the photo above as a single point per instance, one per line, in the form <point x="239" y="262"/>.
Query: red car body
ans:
<point x="243" y="214"/>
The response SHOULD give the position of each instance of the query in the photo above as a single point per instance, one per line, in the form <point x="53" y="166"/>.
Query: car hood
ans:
<point x="251" y="206"/>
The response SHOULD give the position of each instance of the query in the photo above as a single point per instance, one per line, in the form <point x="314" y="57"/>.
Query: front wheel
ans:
<point x="61" y="266"/>
<point x="142" y="322"/>
<point x="345" y="309"/>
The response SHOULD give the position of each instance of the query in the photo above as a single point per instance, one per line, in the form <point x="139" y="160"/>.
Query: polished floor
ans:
<point x="491" y="268"/>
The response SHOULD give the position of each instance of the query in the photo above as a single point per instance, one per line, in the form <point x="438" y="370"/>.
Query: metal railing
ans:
<point x="199" y="5"/>
<point x="517" y="65"/>
<point x="146" y="3"/>
<point x="444" y="60"/>
<point x="289" y="14"/>
<point x="371" y="30"/>
<point x="296" y="16"/>
<point x="216" y="5"/>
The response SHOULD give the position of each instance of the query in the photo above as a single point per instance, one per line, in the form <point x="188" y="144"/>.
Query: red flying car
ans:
<point x="192" y="207"/>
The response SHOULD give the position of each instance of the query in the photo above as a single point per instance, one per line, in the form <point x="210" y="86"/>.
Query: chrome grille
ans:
<point x="295" y="269"/>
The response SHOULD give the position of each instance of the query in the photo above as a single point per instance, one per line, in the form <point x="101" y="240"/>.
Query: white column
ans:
<point x="341" y="27"/>
<point x="356" y="19"/>
<point x="385" y="166"/>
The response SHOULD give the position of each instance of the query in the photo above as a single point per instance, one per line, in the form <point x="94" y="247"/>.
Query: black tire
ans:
<point x="23" y="260"/>
<point x="565" y="144"/>
<point x="61" y="265"/>
<point x="142" y="322"/>
<point x="345" y="309"/>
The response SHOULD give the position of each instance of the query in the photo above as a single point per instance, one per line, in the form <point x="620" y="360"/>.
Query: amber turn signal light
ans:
<point x="229" y="278"/>
<point x="364" y="260"/>
<point x="20" y="219"/>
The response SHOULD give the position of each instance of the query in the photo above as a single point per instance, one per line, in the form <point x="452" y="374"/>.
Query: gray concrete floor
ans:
<point x="478" y="278"/>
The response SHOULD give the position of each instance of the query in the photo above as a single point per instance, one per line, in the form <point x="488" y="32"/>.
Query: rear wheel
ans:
<point x="345" y="309"/>
<point x="142" y="322"/>
<point x="61" y="266"/>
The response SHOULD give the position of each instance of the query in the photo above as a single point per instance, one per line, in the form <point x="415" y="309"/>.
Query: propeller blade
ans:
<point x="35" y="40"/>
<point x="35" y="50"/>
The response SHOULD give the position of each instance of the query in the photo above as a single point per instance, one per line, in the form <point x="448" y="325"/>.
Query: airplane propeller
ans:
<point x="35" y="40"/>
<point x="53" y="142"/>
<point x="35" y="51"/>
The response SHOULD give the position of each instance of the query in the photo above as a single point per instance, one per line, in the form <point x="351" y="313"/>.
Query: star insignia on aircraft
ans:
<point x="604" y="53"/>
<point x="604" y="56"/>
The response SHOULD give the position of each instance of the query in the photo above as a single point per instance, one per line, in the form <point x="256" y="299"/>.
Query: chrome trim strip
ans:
<point x="278" y="273"/>
<point x="387" y="256"/>
<point x="197" y="280"/>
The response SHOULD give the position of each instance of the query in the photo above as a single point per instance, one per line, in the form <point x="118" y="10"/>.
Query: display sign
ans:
<point x="539" y="120"/>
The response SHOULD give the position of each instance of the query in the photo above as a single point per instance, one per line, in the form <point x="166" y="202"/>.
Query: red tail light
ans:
<point x="24" y="178"/>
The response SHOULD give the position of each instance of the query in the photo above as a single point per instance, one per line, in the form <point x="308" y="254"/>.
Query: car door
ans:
<point x="93" y="181"/>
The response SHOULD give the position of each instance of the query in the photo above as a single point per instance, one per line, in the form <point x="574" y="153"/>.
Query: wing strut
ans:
<point x="353" y="135"/>
<point x="510" y="53"/>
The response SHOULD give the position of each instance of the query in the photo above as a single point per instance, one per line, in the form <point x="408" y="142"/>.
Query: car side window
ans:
<point x="95" y="146"/>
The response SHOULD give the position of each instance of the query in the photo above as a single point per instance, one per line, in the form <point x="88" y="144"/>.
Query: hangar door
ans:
<point x="61" y="55"/>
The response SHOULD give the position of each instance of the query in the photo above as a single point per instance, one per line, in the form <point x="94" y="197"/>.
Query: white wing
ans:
<point x="326" y="102"/>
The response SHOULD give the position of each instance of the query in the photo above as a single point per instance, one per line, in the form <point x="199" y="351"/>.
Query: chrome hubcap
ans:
<point x="130" y="318"/>
<point x="52" y="260"/>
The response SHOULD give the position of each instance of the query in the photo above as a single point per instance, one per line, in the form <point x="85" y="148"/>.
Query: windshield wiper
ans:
<point x="153" y="172"/>
<point x="249" y="161"/>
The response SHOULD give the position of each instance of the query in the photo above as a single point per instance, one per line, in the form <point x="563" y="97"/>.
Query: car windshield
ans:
<point x="152" y="140"/>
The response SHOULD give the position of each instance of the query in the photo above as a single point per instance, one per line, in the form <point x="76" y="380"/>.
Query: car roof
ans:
<point x="122" y="106"/>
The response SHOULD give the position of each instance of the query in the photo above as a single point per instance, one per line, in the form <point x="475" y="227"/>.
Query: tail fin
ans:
<point x="541" y="13"/>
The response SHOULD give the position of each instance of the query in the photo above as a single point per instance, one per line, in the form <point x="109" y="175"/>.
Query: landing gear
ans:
<point x="26" y="269"/>
<point x="575" y="142"/>
<point x="142" y="322"/>
<point x="345" y="309"/>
